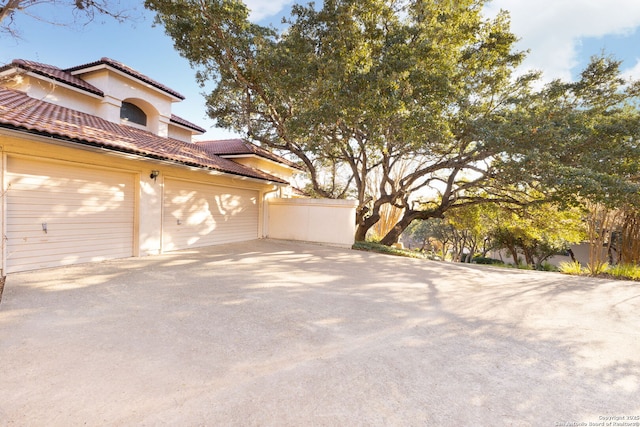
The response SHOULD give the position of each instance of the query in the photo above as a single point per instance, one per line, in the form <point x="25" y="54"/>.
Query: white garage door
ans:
<point x="58" y="214"/>
<point x="197" y="214"/>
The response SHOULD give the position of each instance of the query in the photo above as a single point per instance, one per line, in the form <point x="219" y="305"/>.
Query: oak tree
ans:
<point x="365" y="87"/>
<point x="411" y="104"/>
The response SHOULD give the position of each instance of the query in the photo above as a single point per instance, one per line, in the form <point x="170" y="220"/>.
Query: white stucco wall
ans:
<point x="57" y="93"/>
<point x="179" y="133"/>
<point x="312" y="220"/>
<point x="580" y="251"/>
<point x="150" y="214"/>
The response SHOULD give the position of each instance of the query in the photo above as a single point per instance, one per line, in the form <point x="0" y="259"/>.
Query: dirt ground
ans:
<point x="289" y="334"/>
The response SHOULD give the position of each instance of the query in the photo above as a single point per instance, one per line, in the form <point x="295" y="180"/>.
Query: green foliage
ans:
<point x="539" y="231"/>
<point x="377" y="247"/>
<point x="357" y="88"/>
<point x="546" y="266"/>
<point x="573" y="267"/>
<point x="625" y="271"/>
<point x="597" y="268"/>
<point x="485" y="260"/>
<point x="620" y="271"/>
<point x="580" y="137"/>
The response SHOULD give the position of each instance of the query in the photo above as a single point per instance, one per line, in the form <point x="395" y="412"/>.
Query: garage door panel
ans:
<point x="101" y="199"/>
<point x="89" y="214"/>
<point x="52" y="253"/>
<point x="71" y="234"/>
<point x="197" y="215"/>
<point x="27" y="223"/>
<point x="79" y="206"/>
<point x="47" y="260"/>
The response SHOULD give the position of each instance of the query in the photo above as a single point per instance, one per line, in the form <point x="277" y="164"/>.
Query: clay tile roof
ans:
<point x="231" y="147"/>
<point x="127" y="70"/>
<point x="19" y="111"/>
<point x="186" y="123"/>
<point x="53" y="73"/>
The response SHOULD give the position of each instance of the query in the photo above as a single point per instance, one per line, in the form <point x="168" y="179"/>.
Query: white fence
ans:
<point x="312" y="220"/>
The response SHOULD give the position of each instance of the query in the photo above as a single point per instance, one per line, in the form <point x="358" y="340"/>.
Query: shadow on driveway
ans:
<point x="281" y="333"/>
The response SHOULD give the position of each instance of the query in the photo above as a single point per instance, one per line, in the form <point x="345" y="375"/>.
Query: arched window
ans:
<point x="132" y="113"/>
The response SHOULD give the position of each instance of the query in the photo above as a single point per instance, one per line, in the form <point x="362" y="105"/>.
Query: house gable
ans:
<point x="100" y="88"/>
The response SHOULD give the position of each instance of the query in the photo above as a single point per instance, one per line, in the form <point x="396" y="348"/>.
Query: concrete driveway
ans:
<point x="280" y="333"/>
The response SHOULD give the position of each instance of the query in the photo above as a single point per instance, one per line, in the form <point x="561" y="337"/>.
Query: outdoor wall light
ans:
<point x="154" y="175"/>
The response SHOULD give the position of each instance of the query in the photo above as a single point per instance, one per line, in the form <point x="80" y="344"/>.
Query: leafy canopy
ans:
<point x="408" y="103"/>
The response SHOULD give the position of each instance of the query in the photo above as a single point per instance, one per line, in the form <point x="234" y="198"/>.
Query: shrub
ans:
<point x="377" y="247"/>
<point x="597" y="268"/>
<point x="546" y="266"/>
<point x="625" y="271"/>
<point x="485" y="260"/>
<point x="572" y="267"/>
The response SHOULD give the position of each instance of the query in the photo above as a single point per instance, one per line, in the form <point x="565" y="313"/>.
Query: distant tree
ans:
<point x="82" y="11"/>
<point x="629" y="247"/>
<point x="465" y="231"/>
<point x="473" y="224"/>
<point x="613" y="235"/>
<point x="539" y="231"/>
<point x="420" y="235"/>
<point x="603" y="224"/>
<point x="433" y="234"/>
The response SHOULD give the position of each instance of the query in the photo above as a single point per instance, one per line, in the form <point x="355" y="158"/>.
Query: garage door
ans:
<point x="59" y="214"/>
<point x="197" y="214"/>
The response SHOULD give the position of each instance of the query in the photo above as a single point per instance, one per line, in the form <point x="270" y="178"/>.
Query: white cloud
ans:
<point x="634" y="72"/>
<point x="552" y="29"/>
<point x="261" y="9"/>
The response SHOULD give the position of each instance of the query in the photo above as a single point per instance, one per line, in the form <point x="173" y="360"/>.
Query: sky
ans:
<point x="560" y="35"/>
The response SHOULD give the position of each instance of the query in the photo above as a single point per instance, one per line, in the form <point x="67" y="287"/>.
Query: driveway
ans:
<point x="280" y="333"/>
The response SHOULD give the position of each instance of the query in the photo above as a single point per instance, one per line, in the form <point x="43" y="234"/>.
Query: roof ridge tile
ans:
<point x="54" y="73"/>
<point x="127" y="70"/>
<point x="239" y="146"/>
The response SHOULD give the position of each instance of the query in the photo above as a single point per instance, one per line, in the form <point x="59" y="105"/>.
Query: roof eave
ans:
<point x="42" y="76"/>
<point x="240" y="156"/>
<point x="75" y="142"/>
<point x="194" y="130"/>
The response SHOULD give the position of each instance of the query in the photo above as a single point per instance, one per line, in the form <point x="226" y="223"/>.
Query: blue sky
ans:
<point x="561" y="35"/>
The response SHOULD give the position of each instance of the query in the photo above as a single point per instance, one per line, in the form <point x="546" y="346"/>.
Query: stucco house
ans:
<point x="95" y="166"/>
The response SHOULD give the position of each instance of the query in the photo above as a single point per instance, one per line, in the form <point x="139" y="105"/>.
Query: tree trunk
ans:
<point x="409" y="216"/>
<point x="528" y="256"/>
<point x="444" y="250"/>
<point x="394" y="234"/>
<point x="472" y="251"/>
<point x="363" y="226"/>
<point x="514" y="254"/>
<point x="461" y="246"/>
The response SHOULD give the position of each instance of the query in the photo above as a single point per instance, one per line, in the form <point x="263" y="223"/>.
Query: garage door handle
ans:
<point x="44" y="227"/>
